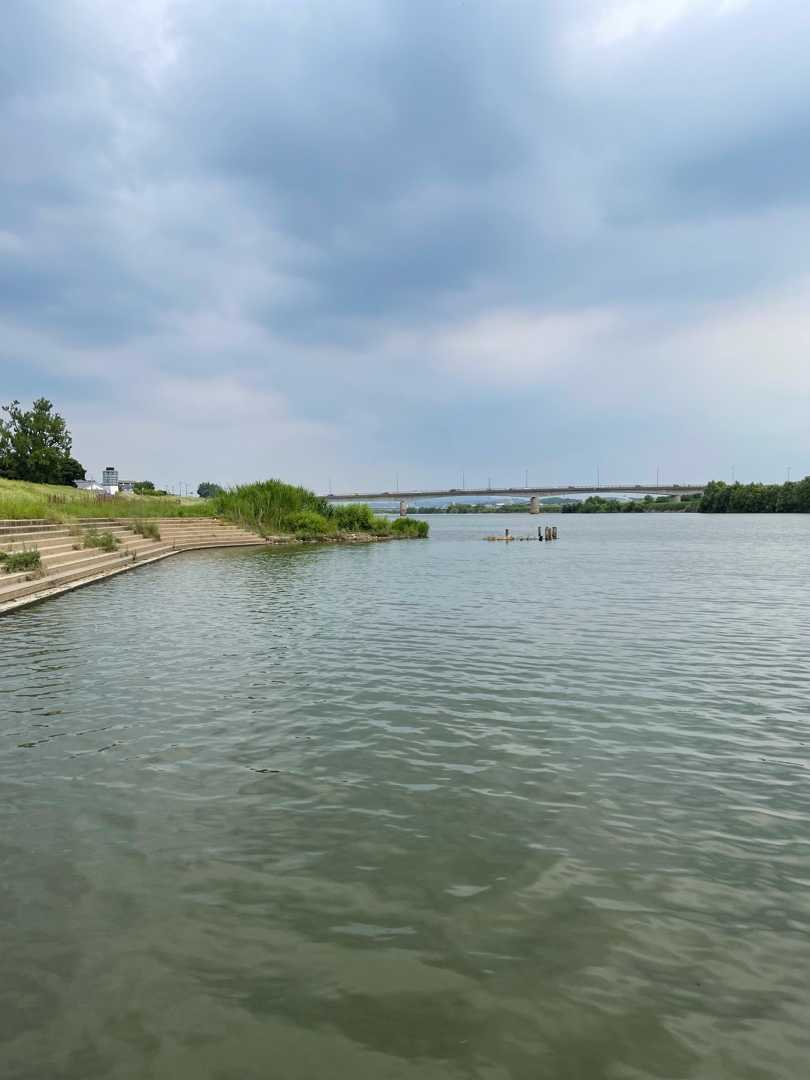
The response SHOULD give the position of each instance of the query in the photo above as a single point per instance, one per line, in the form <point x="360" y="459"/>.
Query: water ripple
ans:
<point x="431" y="810"/>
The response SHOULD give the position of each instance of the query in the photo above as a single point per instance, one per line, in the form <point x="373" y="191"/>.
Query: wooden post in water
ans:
<point x="506" y="534"/>
<point x="554" y="532"/>
<point x="540" y="533"/>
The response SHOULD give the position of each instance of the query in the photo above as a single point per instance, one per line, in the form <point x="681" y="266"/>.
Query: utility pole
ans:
<point x="597" y="477"/>
<point x="657" y="475"/>
<point x="526" y="476"/>
<point x="463" y="485"/>
<point x="733" y="467"/>
<point x="788" y="473"/>
<point x="397" y="481"/>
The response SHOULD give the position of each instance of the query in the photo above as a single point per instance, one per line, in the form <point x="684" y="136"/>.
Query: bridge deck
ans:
<point x="523" y="492"/>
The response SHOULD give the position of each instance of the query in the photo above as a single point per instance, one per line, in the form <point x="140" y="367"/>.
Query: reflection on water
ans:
<point x="418" y="810"/>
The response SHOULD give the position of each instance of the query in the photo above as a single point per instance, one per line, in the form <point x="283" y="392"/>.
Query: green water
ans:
<point x="429" y="810"/>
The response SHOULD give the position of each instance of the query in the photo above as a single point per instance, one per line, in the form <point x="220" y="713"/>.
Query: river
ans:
<point x="425" y="810"/>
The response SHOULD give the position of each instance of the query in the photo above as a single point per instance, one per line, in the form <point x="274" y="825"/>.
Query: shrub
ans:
<point x="309" y="524"/>
<point x="355" y="517"/>
<point x="147" y="529"/>
<point x="104" y="541"/>
<point x="410" y="527"/>
<point x="14" y="562"/>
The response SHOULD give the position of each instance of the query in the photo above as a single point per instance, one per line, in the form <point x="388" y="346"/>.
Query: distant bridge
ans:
<point x="533" y="494"/>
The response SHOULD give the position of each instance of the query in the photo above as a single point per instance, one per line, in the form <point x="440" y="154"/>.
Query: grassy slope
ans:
<point x="19" y="499"/>
<point x="271" y="507"/>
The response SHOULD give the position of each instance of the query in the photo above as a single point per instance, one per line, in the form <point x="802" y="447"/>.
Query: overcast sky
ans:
<point x="350" y="240"/>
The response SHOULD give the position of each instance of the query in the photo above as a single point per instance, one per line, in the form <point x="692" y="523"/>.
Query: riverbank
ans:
<point x="64" y="557"/>
<point x="269" y="508"/>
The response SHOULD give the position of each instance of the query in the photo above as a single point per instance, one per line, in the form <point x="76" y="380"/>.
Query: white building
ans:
<point x="109" y="484"/>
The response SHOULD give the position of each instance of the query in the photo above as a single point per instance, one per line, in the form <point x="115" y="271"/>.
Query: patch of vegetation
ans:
<point x="268" y="507"/>
<point x="410" y="527"/>
<point x="208" y="490"/>
<point x="104" y="541"/>
<point x="149" y="530"/>
<point x="13" y="562"/>
<point x="359" y="518"/>
<point x="274" y="508"/>
<point x="354" y="517"/>
<point x="310" y="525"/>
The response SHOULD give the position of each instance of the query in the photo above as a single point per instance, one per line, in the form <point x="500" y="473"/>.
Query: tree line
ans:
<point x="598" y="504"/>
<point x="717" y="498"/>
<point x="792" y="497"/>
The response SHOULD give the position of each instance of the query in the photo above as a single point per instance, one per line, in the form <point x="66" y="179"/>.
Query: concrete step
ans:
<point x="206" y="532"/>
<point x="212" y="531"/>
<point x="22" y="536"/>
<point x="12" y="529"/>
<point x="85" y="559"/>
<point x="70" y="557"/>
<point x="236" y="542"/>
<point x="51" y="541"/>
<point x="86" y="568"/>
<point x="25" y="523"/>
<point x="65" y="541"/>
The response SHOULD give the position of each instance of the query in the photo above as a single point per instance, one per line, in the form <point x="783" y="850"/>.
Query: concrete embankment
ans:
<point x="65" y="563"/>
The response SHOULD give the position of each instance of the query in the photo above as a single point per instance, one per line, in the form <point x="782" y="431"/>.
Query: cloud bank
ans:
<point x="345" y="241"/>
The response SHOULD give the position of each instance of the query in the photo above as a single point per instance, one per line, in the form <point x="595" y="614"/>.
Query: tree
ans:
<point x="207" y="490"/>
<point x="35" y="445"/>
<point x="72" y="470"/>
<point x="143" y="487"/>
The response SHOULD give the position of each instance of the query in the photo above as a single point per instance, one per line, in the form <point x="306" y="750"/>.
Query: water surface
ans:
<point x="429" y="810"/>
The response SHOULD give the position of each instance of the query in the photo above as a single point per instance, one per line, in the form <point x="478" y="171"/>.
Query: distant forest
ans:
<point x="718" y="498"/>
<point x="788" y="498"/>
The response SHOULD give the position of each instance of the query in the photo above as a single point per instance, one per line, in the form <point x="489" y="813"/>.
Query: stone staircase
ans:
<point x="66" y="563"/>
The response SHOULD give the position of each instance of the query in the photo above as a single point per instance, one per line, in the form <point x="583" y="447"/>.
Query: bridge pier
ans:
<point x="534" y="504"/>
<point x="403" y="508"/>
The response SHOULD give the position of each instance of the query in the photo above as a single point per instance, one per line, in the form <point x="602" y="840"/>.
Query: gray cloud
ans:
<point x="324" y="204"/>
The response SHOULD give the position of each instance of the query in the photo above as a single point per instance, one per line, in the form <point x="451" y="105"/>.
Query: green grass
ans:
<point x="16" y="561"/>
<point x="20" y="499"/>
